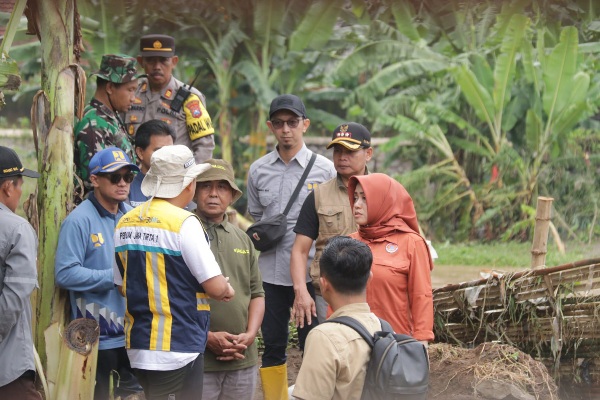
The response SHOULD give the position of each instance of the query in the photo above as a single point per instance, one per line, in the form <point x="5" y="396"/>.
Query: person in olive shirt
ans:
<point x="231" y="359"/>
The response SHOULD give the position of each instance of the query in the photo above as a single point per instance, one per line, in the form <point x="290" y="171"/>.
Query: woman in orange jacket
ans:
<point x="400" y="290"/>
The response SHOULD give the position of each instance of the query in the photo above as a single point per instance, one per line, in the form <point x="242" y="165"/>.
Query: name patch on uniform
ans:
<point x="241" y="251"/>
<point x="166" y="111"/>
<point x="143" y="236"/>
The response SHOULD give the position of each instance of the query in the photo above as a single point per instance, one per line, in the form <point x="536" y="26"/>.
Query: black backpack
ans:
<point x="398" y="367"/>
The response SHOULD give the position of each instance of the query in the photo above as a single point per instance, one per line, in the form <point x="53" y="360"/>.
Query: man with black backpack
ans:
<point x="339" y="362"/>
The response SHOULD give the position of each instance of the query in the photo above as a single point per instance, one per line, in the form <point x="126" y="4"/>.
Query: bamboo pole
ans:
<point x="539" y="248"/>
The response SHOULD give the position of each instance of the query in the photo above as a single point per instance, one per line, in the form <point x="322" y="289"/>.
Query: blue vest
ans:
<point x="167" y="309"/>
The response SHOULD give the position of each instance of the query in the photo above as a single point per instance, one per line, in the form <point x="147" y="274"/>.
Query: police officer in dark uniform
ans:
<point x="160" y="96"/>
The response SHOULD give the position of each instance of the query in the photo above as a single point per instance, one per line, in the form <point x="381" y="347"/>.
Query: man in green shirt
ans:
<point x="231" y="359"/>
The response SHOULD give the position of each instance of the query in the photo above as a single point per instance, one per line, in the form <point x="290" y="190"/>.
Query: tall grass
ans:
<point x="510" y="254"/>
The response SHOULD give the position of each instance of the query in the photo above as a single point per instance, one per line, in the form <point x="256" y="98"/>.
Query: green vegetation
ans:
<point x="488" y="104"/>
<point x="513" y="254"/>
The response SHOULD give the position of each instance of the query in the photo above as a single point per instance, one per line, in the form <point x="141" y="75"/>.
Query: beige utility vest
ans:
<point x="335" y="218"/>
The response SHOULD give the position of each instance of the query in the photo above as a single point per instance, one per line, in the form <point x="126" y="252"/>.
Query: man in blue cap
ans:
<point x="84" y="262"/>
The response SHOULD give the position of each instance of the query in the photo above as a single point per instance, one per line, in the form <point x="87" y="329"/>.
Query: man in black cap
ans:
<point x="327" y="213"/>
<point x="18" y="278"/>
<point x="271" y="182"/>
<point x="160" y="96"/>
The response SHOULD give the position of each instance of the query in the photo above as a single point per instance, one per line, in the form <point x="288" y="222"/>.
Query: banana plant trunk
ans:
<point x="52" y="122"/>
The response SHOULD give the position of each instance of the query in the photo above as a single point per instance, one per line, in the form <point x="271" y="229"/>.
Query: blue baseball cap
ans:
<point x="110" y="160"/>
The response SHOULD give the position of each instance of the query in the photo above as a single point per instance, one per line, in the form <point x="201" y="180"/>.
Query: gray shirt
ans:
<point x="271" y="183"/>
<point x="18" y="278"/>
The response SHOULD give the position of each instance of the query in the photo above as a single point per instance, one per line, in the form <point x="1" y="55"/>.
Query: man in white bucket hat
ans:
<point x="167" y="273"/>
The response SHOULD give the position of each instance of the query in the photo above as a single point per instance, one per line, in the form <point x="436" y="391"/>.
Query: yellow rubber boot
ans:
<point x="274" y="382"/>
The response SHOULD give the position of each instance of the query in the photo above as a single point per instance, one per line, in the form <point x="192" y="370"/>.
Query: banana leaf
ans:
<point x="533" y="130"/>
<point x="476" y="95"/>
<point x="316" y="27"/>
<point x="404" y="13"/>
<point x="559" y="70"/>
<point x="504" y="70"/>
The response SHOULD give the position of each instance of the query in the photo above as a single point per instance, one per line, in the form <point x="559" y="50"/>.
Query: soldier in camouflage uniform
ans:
<point x="156" y="92"/>
<point x="101" y="126"/>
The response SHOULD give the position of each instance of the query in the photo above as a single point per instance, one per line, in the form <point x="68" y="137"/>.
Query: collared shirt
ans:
<point x="238" y="260"/>
<point x="335" y="357"/>
<point x="84" y="266"/>
<point x="18" y="278"/>
<point x="136" y="197"/>
<point x="192" y="124"/>
<point x="271" y="183"/>
<point x="98" y="129"/>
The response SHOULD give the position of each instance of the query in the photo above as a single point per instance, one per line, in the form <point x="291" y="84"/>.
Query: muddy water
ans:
<point x="446" y="274"/>
<point x="451" y="274"/>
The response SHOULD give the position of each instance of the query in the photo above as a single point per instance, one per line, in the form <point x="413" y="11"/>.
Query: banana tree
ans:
<point x="287" y="43"/>
<point x="9" y="71"/>
<point x="220" y="47"/>
<point x="557" y="102"/>
<point x="53" y="115"/>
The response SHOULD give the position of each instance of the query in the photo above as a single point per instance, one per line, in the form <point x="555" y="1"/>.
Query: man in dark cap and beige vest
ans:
<point x="160" y="96"/>
<point x="326" y="213"/>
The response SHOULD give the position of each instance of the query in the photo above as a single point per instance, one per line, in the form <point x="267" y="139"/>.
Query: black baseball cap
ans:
<point x="352" y="136"/>
<point x="157" y="46"/>
<point x="288" y="102"/>
<point x="10" y="164"/>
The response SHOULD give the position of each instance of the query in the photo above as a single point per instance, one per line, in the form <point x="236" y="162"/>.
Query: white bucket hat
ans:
<point x="172" y="169"/>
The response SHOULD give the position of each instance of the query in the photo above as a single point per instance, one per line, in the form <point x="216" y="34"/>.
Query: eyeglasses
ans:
<point x="116" y="177"/>
<point x="292" y="123"/>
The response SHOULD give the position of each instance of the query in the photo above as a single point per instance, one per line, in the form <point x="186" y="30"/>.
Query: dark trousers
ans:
<point x="22" y="388"/>
<point x="124" y="381"/>
<point x="180" y="384"/>
<point x="278" y="301"/>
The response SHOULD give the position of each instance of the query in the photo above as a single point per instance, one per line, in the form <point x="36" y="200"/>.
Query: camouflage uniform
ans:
<point x="100" y="127"/>
<point x="192" y="124"/>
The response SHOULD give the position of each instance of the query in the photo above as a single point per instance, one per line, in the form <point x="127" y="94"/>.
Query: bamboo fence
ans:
<point x="553" y="314"/>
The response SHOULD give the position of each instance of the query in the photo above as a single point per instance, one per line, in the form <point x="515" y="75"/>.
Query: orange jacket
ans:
<point x="400" y="290"/>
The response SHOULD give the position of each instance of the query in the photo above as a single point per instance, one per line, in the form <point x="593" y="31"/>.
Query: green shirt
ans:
<point x="238" y="260"/>
<point x="98" y="129"/>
